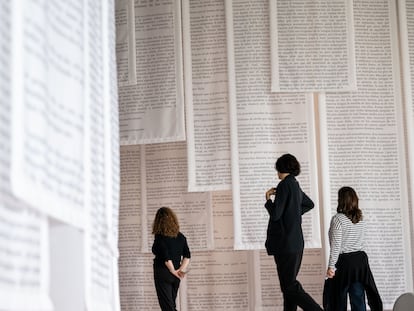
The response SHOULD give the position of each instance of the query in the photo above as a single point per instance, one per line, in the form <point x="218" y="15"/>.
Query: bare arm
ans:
<point x="171" y="268"/>
<point x="183" y="267"/>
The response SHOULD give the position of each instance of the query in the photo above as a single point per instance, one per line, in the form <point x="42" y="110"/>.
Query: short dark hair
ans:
<point x="287" y="163"/>
<point x="348" y="204"/>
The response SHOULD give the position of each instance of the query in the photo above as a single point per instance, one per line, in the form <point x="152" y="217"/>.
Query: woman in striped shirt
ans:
<point x="348" y="263"/>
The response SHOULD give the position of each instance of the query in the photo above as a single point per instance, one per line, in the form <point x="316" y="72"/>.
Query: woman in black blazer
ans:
<point x="284" y="232"/>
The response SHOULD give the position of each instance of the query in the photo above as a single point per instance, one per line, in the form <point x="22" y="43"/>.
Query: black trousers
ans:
<point x="294" y="295"/>
<point x="166" y="286"/>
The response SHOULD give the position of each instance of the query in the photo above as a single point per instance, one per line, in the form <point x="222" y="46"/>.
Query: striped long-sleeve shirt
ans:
<point x="344" y="237"/>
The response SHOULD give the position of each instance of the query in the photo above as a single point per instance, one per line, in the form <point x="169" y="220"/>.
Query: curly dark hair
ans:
<point x="348" y="204"/>
<point x="165" y="223"/>
<point x="287" y="163"/>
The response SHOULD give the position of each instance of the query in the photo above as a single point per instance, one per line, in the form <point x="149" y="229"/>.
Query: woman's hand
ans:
<point x="171" y="268"/>
<point x="330" y="273"/>
<point x="183" y="267"/>
<point x="181" y="274"/>
<point x="271" y="191"/>
<point x="176" y="273"/>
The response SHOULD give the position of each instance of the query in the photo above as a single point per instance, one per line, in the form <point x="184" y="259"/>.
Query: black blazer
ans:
<point x="284" y="231"/>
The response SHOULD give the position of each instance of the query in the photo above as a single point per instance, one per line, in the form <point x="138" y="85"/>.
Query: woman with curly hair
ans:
<point x="348" y="265"/>
<point x="172" y="257"/>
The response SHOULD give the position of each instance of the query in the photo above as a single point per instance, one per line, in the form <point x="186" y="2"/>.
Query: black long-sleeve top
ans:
<point x="284" y="231"/>
<point x="170" y="248"/>
<point x="350" y="268"/>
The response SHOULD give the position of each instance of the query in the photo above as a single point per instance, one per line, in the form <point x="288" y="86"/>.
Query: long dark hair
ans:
<point x="348" y="204"/>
